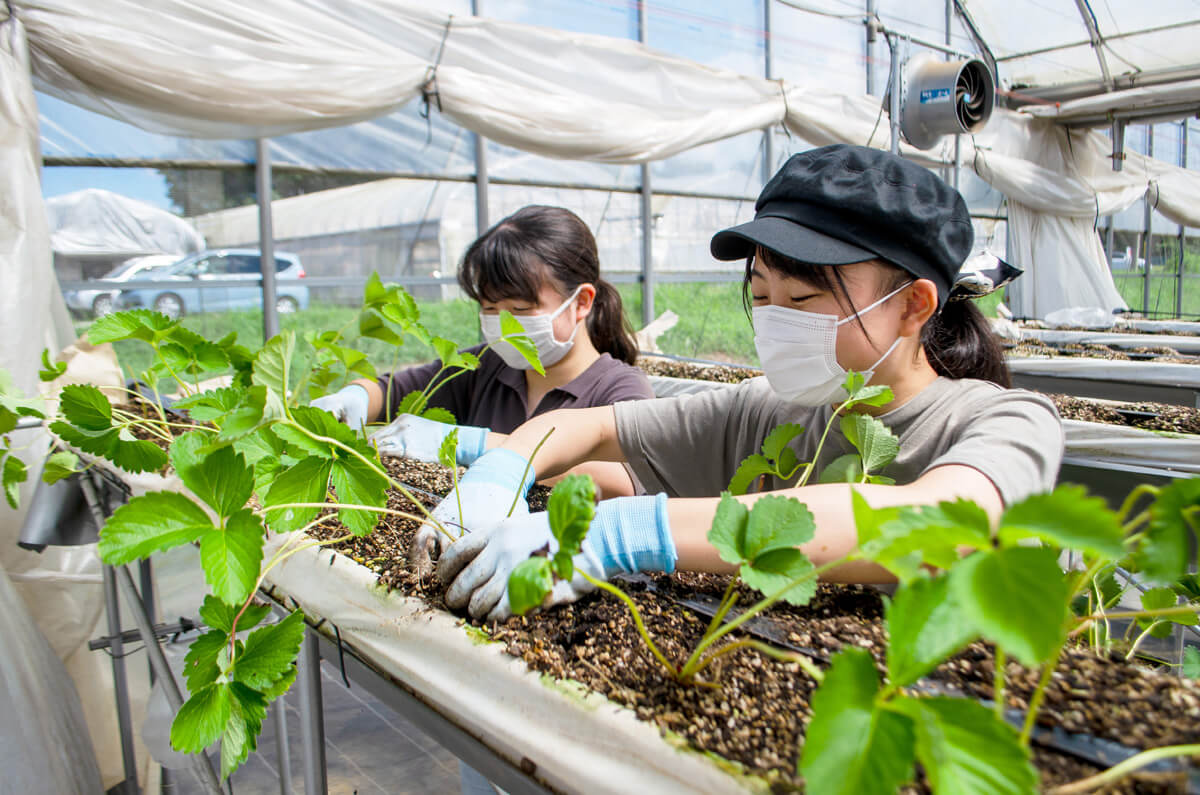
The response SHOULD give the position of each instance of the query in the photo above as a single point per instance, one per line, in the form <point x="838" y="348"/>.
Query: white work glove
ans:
<point x="415" y="437"/>
<point x="627" y="534"/>
<point x="349" y="405"/>
<point x="485" y="494"/>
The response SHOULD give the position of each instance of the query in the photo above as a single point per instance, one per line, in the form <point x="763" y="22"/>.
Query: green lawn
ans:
<point x="1162" y="294"/>
<point x="712" y="325"/>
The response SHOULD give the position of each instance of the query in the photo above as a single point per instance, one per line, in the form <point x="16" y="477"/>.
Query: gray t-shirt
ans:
<point x="690" y="446"/>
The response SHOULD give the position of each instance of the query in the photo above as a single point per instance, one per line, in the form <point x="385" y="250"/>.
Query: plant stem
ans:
<point x="709" y="640"/>
<point x="1138" y="641"/>
<point x="1132" y="498"/>
<point x="808" y="470"/>
<point x="339" y="506"/>
<point x="1035" y="703"/>
<point x="804" y="661"/>
<point x="637" y="619"/>
<point x="998" y="682"/>
<point x="525" y="473"/>
<point x="1178" y="610"/>
<point x="1124" y="768"/>
<point x="727" y="601"/>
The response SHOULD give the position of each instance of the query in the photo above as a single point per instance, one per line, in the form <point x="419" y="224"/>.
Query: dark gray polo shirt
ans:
<point x="493" y="395"/>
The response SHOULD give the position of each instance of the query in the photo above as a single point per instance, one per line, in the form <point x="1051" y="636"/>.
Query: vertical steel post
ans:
<point x="870" y="45"/>
<point x="120" y="683"/>
<point x="283" y="754"/>
<point x="768" y="167"/>
<point x="1183" y="158"/>
<point x="482" y="221"/>
<point x="266" y="239"/>
<point x="949" y="57"/>
<point x="312" y="715"/>
<point x="1148" y="237"/>
<point x="647" y="208"/>
<point x="894" y="94"/>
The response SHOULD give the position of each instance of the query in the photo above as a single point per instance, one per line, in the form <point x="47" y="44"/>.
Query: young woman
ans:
<point x="850" y="263"/>
<point x="540" y="264"/>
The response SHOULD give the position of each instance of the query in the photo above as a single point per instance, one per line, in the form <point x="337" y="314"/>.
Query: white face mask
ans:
<point x="539" y="328"/>
<point x="798" y="351"/>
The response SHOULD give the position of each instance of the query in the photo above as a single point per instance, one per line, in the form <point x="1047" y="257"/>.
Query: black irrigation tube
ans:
<point x="1098" y="751"/>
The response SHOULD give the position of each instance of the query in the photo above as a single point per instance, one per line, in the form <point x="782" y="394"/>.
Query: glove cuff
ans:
<point x="472" y="443"/>
<point x="501" y="467"/>
<point x="631" y="534"/>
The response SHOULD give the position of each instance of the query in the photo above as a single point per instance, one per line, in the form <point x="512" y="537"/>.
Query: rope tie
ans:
<point x="786" y="112"/>
<point x="430" y="94"/>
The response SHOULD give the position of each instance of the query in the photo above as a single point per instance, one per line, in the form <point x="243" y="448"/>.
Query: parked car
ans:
<point x="98" y="303"/>
<point x="1123" y="261"/>
<point x="185" y="292"/>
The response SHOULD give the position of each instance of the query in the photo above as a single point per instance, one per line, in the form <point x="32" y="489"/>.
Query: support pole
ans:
<point x="312" y="714"/>
<point x="768" y="166"/>
<point x="1147" y="226"/>
<point x="120" y="683"/>
<point x="647" y="210"/>
<point x="894" y="94"/>
<point x="481" y="169"/>
<point x="1183" y="158"/>
<point x="266" y="240"/>
<point x="869" y="47"/>
<point x="283" y="754"/>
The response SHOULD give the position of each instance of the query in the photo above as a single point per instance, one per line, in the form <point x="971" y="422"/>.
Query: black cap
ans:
<point x="841" y="204"/>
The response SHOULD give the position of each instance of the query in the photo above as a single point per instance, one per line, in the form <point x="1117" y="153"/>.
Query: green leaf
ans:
<point x="860" y="394"/>
<point x="400" y="307"/>
<point x="1016" y="597"/>
<point x="779" y="437"/>
<point x="514" y="334"/>
<point x="270" y="651"/>
<point x="85" y="407"/>
<point x="221" y="478"/>
<point x="139" y="324"/>
<point x="272" y="365"/>
<point x="211" y="405"/>
<point x="151" y="523"/>
<point x="232" y="557"/>
<point x="13" y="403"/>
<point x="529" y="584"/>
<point x="853" y="746"/>
<point x="257" y="407"/>
<point x="320" y="423"/>
<point x="925" y="626"/>
<point x="14" y="473"/>
<point x="219" y="615"/>
<point x="451" y="356"/>
<point x="117" y="445"/>
<point x="773" y="570"/>
<point x="372" y="326"/>
<point x="448" y="452"/>
<point x="728" y="530"/>
<point x="60" y="465"/>
<point x="571" y="506"/>
<point x="930" y="534"/>
<point x="358" y="484"/>
<point x="306" y="482"/>
<point x="412" y="403"/>
<point x="248" y="708"/>
<point x="1166" y="550"/>
<point x="282" y="686"/>
<point x="439" y="414"/>
<point x="1191" y="662"/>
<point x="846" y="468"/>
<point x="1067" y="518"/>
<point x="262" y="443"/>
<point x="776" y="523"/>
<point x="746" y="473"/>
<point x="202" y="718"/>
<point x="873" y="440"/>
<point x="966" y="749"/>
<point x="50" y="370"/>
<point x="200" y="666"/>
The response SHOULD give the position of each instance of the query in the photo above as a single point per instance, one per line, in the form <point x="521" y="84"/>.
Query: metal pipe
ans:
<point x="1118" y="137"/>
<point x="481" y="169"/>
<point x="872" y="35"/>
<point x="647" y="206"/>
<point x="768" y="166"/>
<point x="1183" y="158"/>
<point x="894" y="93"/>
<point x="283" y="754"/>
<point x="266" y="239"/>
<point x="1148" y="237"/>
<point x="312" y="714"/>
<point x="158" y="660"/>
<point x="120" y="684"/>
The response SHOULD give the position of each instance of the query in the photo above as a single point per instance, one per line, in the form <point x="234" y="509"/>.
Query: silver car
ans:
<point x="185" y="292"/>
<point x="100" y="302"/>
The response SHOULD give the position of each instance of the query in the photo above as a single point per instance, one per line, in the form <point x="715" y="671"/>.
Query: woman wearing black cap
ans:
<point x="850" y="264"/>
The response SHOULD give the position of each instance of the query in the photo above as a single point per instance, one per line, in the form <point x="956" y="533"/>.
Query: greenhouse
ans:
<point x="715" y="397"/>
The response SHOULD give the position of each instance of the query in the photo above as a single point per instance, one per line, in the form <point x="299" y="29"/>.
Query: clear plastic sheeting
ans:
<point x="1116" y="444"/>
<point x="1182" y="343"/>
<point x="44" y="744"/>
<point x="96" y="222"/>
<point x="578" y="741"/>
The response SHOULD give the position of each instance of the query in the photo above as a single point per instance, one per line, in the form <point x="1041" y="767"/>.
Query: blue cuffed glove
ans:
<point x="628" y="534"/>
<point x="498" y="480"/>
<point x="349" y="405"/>
<point x="415" y="437"/>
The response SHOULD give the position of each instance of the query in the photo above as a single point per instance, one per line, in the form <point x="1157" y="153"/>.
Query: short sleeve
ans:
<point x="625" y="383"/>
<point x="1013" y="437"/>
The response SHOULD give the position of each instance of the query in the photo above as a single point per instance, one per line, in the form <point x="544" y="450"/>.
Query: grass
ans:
<point x="712" y="325"/>
<point x="1162" y="294"/>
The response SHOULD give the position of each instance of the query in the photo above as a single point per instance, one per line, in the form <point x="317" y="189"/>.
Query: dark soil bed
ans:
<point x="758" y="715"/>
<point x="1034" y="347"/>
<point x="722" y="373"/>
<point x="1150" y="416"/>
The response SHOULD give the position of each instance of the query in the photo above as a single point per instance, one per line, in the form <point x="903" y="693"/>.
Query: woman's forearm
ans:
<point x="579" y="435"/>
<point x="374" y="397"/>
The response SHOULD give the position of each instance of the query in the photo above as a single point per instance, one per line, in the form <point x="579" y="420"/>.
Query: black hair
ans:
<point x="514" y="258"/>
<point x="957" y="339"/>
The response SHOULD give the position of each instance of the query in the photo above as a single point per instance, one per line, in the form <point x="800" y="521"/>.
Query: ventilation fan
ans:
<point x="943" y="98"/>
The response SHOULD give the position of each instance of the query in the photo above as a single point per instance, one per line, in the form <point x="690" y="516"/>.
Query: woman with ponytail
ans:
<point x="540" y="264"/>
<point x="851" y="262"/>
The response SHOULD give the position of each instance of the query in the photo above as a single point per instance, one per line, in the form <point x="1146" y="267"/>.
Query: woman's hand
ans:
<point x="349" y="405"/>
<point x="498" y="481"/>
<point x="415" y="437"/>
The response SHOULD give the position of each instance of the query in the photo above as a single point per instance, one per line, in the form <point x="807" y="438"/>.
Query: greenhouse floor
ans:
<point x="369" y="748"/>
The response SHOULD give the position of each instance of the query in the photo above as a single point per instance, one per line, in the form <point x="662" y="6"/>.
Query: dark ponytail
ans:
<point x="959" y="343"/>
<point x="538" y="243"/>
